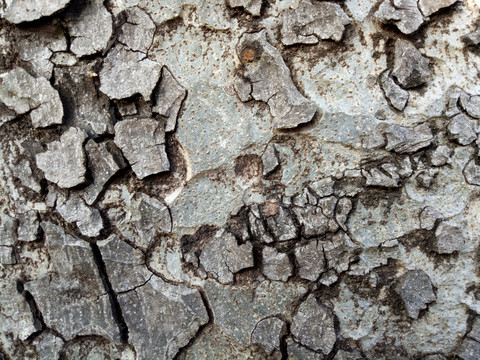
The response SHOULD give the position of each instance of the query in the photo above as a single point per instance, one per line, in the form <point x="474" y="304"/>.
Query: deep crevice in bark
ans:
<point x="116" y="309"/>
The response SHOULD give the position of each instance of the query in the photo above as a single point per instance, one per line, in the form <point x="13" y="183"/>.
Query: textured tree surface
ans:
<point x="241" y="179"/>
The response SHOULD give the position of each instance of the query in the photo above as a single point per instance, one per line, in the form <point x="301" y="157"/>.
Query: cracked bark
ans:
<point x="116" y="309"/>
